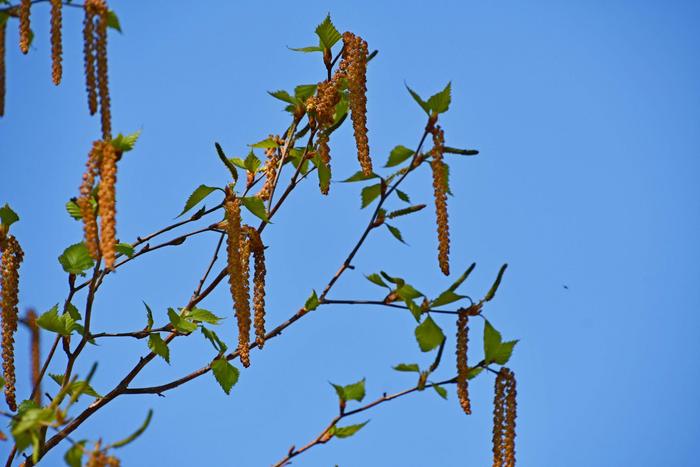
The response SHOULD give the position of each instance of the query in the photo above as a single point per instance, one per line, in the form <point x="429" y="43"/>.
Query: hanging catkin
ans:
<point x="509" y="434"/>
<point x="258" y="248"/>
<point x="89" y="55"/>
<point x="84" y="200"/>
<point x="270" y="171"/>
<point x="232" y="207"/>
<point x="462" y="368"/>
<point x="3" y="28"/>
<point x="25" y="32"/>
<point x="35" y="351"/>
<point x="504" y="413"/>
<point x="56" y="41"/>
<point x="324" y="152"/>
<point x="440" y="188"/>
<point x="354" y="67"/>
<point x="107" y="204"/>
<point x="102" y="80"/>
<point x="12" y="256"/>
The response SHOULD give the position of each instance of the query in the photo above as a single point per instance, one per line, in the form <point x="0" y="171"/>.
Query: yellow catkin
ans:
<point x="84" y="200"/>
<point x="102" y="80"/>
<point x="3" y="28"/>
<point x="500" y="419"/>
<point x="232" y="207"/>
<point x="354" y="67"/>
<point x="35" y="352"/>
<point x="462" y="368"/>
<point x="510" y="414"/>
<point x="56" y="41"/>
<point x="440" y="188"/>
<point x="25" y="32"/>
<point x="12" y="256"/>
<point x="107" y="204"/>
<point x="270" y="171"/>
<point x="89" y="55"/>
<point x="99" y="458"/>
<point x="258" y="248"/>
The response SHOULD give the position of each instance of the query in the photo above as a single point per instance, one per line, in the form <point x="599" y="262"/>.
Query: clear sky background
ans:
<point x="586" y="115"/>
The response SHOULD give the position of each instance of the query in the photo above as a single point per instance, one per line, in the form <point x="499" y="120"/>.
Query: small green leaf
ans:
<point x="462" y="278"/>
<point x="474" y="372"/>
<point x="211" y="336"/>
<point x="359" y="176"/>
<point x="395" y="232"/>
<point x="265" y="144"/>
<point x="256" y="206"/>
<point x="442" y="392"/>
<point x="492" y="342"/>
<point x="74" y="456"/>
<point x="398" y="155"/>
<point x="304" y="91"/>
<point x="113" y="21"/>
<point x="149" y="317"/>
<point x="492" y="291"/>
<point x="351" y="392"/>
<point x="179" y="323"/>
<point x="440" y="102"/>
<point x="312" y="48"/>
<point x="126" y="143"/>
<point x="80" y="387"/>
<point x="408" y="292"/>
<point x="73" y="312"/>
<point x="347" y="431"/>
<point x="324" y="173"/>
<point x="327" y="33"/>
<point x="311" y="302"/>
<point x="51" y="321"/>
<point x="424" y="105"/>
<point x="7" y="216"/>
<point x="74" y="210"/>
<point x="407" y="367"/>
<point x="429" y="335"/>
<point x="377" y="279"/>
<point x="403" y="196"/>
<point x="136" y="433"/>
<point x="446" y="297"/>
<point x="76" y="259"/>
<point x="505" y="350"/>
<point x="125" y="249"/>
<point x="252" y="162"/>
<point x="159" y="347"/>
<point x="201" y="192"/>
<point x="370" y="193"/>
<point x="201" y="315"/>
<point x="225" y="373"/>
<point x="394" y="280"/>
<point x="415" y="310"/>
<point x="283" y="96"/>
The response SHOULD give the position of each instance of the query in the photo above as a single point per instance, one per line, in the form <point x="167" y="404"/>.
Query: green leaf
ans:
<point x="398" y="155"/>
<point x="407" y="367"/>
<point x="76" y="259"/>
<point x="403" y="196"/>
<point x="304" y="91"/>
<point x="51" y="321"/>
<point x="505" y="350"/>
<point x="492" y="342"/>
<point x="442" y="392"/>
<point x="347" y="431"/>
<point x="256" y="206"/>
<point x="395" y="232"/>
<point x="377" y="279"/>
<point x="125" y="249"/>
<point x="462" y="278"/>
<point x="179" y="323"/>
<point x="492" y="291"/>
<point x="446" y="297"/>
<point x="81" y="387"/>
<point x="265" y="144"/>
<point x="370" y="193"/>
<point x="327" y="34"/>
<point x="474" y="372"/>
<point x="408" y="292"/>
<point x="424" y="105"/>
<point x="351" y="392"/>
<point x="8" y="216"/>
<point x="226" y="161"/>
<point x="394" y="280"/>
<point x="283" y="96"/>
<point x="73" y="312"/>
<point x="225" y="373"/>
<point x="159" y="347"/>
<point x="74" y="456"/>
<point x="149" y="317"/>
<point x="324" y="173"/>
<point x="2" y="382"/>
<point x="359" y="176"/>
<point x="311" y="302"/>
<point x="201" y="192"/>
<point x="201" y="315"/>
<point x="74" y="210"/>
<point x="113" y="21"/>
<point x="311" y="48"/>
<point x="135" y="434"/>
<point x="415" y="310"/>
<point x="429" y="335"/>
<point x="211" y="336"/>
<point x="126" y="143"/>
<point x="440" y="102"/>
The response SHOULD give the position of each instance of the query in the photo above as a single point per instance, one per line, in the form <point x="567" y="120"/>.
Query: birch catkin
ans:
<point x="3" y="28"/>
<point x="107" y="204"/>
<point x="232" y="207"/>
<point x="440" y="189"/>
<point x="56" y="41"/>
<point x="102" y="80"/>
<point x="354" y="66"/>
<point x="462" y="368"/>
<point x="12" y="256"/>
<point x="84" y="200"/>
<point x="510" y="414"/>
<point x="258" y="248"/>
<point x="89" y="55"/>
<point x="504" y="413"/>
<point x="270" y="171"/>
<point x="25" y="32"/>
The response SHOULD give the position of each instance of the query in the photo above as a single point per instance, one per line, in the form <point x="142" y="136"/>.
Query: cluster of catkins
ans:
<point x="439" y="169"/>
<point x="504" y="412"/>
<point x="102" y="162"/>
<point x="12" y="256"/>
<point x="241" y="241"/>
<point x="99" y="458"/>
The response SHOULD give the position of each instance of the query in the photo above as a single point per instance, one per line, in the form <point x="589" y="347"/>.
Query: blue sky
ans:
<point x="586" y="116"/>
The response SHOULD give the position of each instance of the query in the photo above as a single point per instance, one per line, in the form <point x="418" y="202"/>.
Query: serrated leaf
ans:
<point x="377" y="279"/>
<point x="61" y="324"/>
<point x="76" y="259"/>
<point x="462" y="278"/>
<point x="81" y="387"/>
<point x="359" y="176"/>
<point x="408" y="292"/>
<point x="201" y="192"/>
<point x="201" y="315"/>
<point x="398" y="155"/>
<point x="225" y="373"/>
<point x="74" y="210"/>
<point x="440" y="102"/>
<point x="265" y="144"/>
<point x="492" y="291"/>
<point x="370" y="193"/>
<point x="429" y="335"/>
<point x="74" y="456"/>
<point x="403" y="196"/>
<point x="311" y="48"/>
<point x="417" y="98"/>
<point x="211" y="336"/>
<point x="505" y="350"/>
<point x="113" y="21"/>
<point x="283" y="96"/>
<point x="474" y="372"/>
<point x="327" y="34"/>
<point x="311" y="302"/>
<point x="395" y="232"/>
<point x="351" y="392"/>
<point x="149" y="317"/>
<point x="492" y="342"/>
<point x="347" y="431"/>
<point x="256" y="206"/>
<point x="304" y="91"/>
<point x="179" y="323"/>
<point x="159" y="347"/>
<point x="442" y="392"/>
<point x="446" y="297"/>
<point x="125" y="249"/>
<point x="407" y="367"/>
<point x="73" y="312"/>
<point x="126" y="143"/>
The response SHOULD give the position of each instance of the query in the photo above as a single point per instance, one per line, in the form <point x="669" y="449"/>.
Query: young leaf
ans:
<point x="395" y="232"/>
<point x="424" y="105"/>
<point x="225" y="373"/>
<point x="311" y="302"/>
<point x="327" y="34"/>
<point x="149" y="317"/>
<point x="113" y="21"/>
<point x="403" y="196"/>
<point x="377" y="279"/>
<point x="474" y="372"/>
<point x="429" y="335"/>
<point x="495" y="285"/>
<point x="135" y="434"/>
<point x="442" y="392"/>
<point x="347" y="431"/>
<point x="76" y="259"/>
<point x="179" y="323"/>
<point x="505" y="350"/>
<point x="398" y="155"/>
<point x="351" y="392"/>
<point x="74" y="456"/>
<point x="408" y="292"/>
<point x="159" y="347"/>
<point x="462" y="278"/>
<point x="440" y="102"/>
<point x="492" y="342"/>
<point x="51" y="321"/>
<point x="201" y="192"/>
<point x="370" y="193"/>
<point x="446" y="297"/>
<point x="211" y="336"/>
<point x="311" y="48"/>
<point x="256" y="206"/>
<point x="81" y="387"/>
<point x="125" y="249"/>
<point x="201" y="315"/>
<point x="359" y="176"/>
<point x="283" y="96"/>
<point x="227" y="162"/>
<point x="126" y="143"/>
<point x="73" y="209"/>
<point x="407" y="367"/>
<point x="304" y="91"/>
<point x="265" y="144"/>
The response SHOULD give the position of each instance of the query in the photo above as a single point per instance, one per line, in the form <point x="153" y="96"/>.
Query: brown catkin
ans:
<point x="232" y="207"/>
<point x="354" y="66"/>
<point x="3" y="28"/>
<point x="12" y="256"/>
<point x="510" y="414"/>
<point x="35" y="352"/>
<point x="56" y="41"/>
<point x="84" y="200"/>
<point x="107" y="204"/>
<point x="504" y="413"/>
<point x="462" y="368"/>
<point x="25" y="32"/>
<point x="99" y="458"/>
<point x="270" y="171"/>
<point x="102" y="80"/>
<point x="440" y="189"/>
<point x="89" y="55"/>
<point x="258" y="248"/>
<point x="324" y="152"/>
